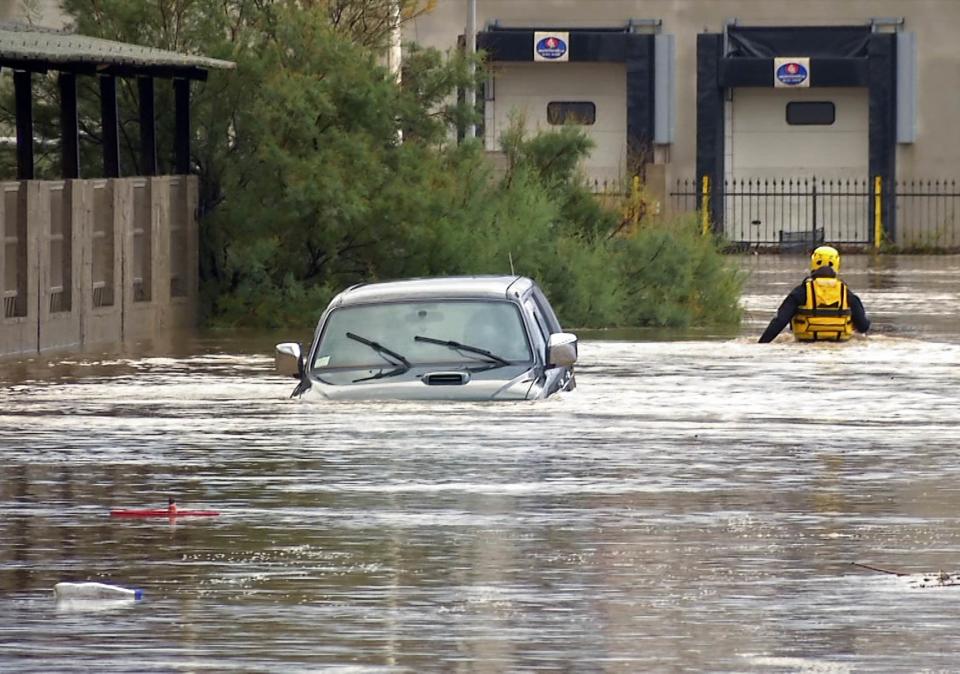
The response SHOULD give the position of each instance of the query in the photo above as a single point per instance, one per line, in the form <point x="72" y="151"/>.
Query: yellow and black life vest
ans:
<point x="825" y="316"/>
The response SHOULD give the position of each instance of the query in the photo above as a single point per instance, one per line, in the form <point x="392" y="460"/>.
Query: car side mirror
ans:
<point x="561" y="350"/>
<point x="288" y="360"/>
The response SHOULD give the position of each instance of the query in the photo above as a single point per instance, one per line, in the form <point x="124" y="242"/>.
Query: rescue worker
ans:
<point x="821" y="308"/>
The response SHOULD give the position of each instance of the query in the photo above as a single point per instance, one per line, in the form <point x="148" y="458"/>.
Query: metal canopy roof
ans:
<point x="33" y="48"/>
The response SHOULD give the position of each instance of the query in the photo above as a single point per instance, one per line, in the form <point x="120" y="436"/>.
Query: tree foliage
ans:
<point x="318" y="170"/>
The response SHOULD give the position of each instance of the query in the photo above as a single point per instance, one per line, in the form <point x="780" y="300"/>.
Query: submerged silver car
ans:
<point x="457" y="338"/>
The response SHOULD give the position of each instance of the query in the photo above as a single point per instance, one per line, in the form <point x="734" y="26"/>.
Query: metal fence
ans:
<point x="802" y="211"/>
<point x="928" y="214"/>
<point x="608" y="187"/>
<point x="790" y="211"/>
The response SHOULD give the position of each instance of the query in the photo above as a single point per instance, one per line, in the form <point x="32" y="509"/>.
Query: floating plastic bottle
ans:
<point x="95" y="591"/>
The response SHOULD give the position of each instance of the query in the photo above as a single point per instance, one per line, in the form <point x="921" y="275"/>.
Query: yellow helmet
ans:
<point x="825" y="256"/>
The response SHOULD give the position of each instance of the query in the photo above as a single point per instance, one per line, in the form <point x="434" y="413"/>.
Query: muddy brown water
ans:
<point x="695" y="505"/>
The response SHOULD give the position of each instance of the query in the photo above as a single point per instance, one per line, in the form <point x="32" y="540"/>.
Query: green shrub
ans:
<point x="673" y="276"/>
<point x="318" y="170"/>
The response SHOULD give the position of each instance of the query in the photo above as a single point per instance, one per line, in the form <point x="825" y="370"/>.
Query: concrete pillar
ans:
<point x="103" y="324"/>
<point x="40" y="328"/>
<point x="123" y="226"/>
<point x="193" y="245"/>
<point x="18" y="334"/>
<point x="28" y="326"/>
<point x="81" y="204"/>
<point x="3" y="248"/>
<point x="38" y="224"/>
<point x="160" y="249"/>
<point x="656" y="188"/>
<point x="58" y="329"/>
<point x="470" y="39"/>
<point x="139" y="315"/>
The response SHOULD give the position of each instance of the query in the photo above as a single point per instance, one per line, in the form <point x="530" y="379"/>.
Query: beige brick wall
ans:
<point x="40" y="12"/>
<point x="79" y="273"/>
<point x="936" y="152"/>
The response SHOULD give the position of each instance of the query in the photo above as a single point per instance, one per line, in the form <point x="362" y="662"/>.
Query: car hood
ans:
<point x="509" y="382"/>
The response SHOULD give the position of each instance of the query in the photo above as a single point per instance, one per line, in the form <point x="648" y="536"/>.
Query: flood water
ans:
<point x="697" y="504"/>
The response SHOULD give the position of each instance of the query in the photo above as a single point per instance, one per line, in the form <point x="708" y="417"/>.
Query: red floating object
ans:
<point x="170" y="511"/>
<point x="163" y="513"/>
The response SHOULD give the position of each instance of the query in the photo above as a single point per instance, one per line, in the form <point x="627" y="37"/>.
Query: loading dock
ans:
<point x="845" y="69"/>
<point x="546" y="95"/>
<point x="811" y="141"/>
<point x="602" y="79"/>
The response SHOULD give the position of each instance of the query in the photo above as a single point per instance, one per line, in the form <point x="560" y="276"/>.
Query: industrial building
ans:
<point x="827" y="118"/>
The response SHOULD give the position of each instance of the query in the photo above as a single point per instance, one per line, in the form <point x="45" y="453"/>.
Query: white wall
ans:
<point x="761" y="147"/>
<point x="936" y="152"/>
<point x="525" y="89"/>
<point x="762" y="144"/>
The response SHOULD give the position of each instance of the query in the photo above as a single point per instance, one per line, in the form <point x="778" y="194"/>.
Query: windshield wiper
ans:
<point x="381" y="374"/>
<point x="381" y="349"/>
<point x="457" y="346"/>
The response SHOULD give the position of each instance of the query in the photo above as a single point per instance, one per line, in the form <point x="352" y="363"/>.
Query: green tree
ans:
<point x="322" y="191"/>
<point x="318" y="169"/>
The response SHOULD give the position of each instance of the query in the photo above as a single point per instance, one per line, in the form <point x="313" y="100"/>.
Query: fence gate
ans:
<point x="787" y="211"/>
<point x="808" y="211"/>
<point x="797" y="211"/>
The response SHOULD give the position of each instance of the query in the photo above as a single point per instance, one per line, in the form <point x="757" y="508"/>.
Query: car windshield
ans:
<point x="376" y="335"/>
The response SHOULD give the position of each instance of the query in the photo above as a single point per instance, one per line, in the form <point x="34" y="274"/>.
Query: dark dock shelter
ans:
<point x="27" y="50"/>
<point x="97" y="259"/>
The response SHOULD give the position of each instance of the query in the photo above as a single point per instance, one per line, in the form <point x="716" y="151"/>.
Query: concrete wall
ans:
<point x="45" y="13"/>
<point x="96" y="262"/>
<point x="936" y="152"/>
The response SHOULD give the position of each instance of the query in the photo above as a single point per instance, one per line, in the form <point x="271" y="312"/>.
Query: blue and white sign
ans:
<point x="791" y="72"/>
<point x="551" y="46"/>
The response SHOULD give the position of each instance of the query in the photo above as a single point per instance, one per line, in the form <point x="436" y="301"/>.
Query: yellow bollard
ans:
<point x="705" y="206"/>
<point x="877" y="212"/>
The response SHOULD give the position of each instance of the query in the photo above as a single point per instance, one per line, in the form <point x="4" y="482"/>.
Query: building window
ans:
<point x="807" y="113"/>
<point x="571" y="112"/>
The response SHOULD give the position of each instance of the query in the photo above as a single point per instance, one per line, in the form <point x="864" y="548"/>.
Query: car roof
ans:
<point x="446" y="287"/>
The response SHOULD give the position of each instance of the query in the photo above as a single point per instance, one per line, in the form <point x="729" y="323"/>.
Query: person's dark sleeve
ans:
<point x="786" y="311"/>
<point x="860" y="321"/>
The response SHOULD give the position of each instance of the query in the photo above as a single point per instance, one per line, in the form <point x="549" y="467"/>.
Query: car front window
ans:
<point x="376" y="335"/>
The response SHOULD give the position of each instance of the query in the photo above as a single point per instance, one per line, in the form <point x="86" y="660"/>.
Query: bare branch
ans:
<point x="878" y="569"/>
